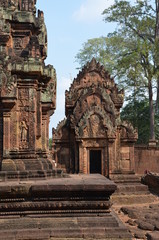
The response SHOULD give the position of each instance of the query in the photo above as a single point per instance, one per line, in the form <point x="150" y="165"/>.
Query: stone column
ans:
<point x="81" y="158"/>
<point x="39" y="114"/>
<point x="44" y="132"/>
<point x="132" y="159"/>
<point x="6" y="133"/>
<point x="85" y="160"/>
<point x="111" y="157"/>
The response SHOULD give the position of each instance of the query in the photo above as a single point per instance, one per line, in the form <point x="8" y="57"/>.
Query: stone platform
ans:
<point x="74" y="206"/>
<point x="130" y="191"/>
<point x="136" y="207"/>
<point x="30" y="175"/>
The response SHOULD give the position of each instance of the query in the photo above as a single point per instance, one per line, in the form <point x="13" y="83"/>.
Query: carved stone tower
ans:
<point x="92" y="138"/>
<point x="27" y="87"/>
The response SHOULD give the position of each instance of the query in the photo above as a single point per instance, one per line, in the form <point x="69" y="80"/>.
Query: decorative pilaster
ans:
<point x="6" y="133"/>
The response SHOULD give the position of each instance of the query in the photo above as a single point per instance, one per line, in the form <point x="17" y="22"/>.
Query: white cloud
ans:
<point x="91" y="10"/>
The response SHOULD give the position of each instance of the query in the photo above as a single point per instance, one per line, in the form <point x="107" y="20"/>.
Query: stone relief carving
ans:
<point x="57" y="133"/>
<point x="92" y="107"/>
<point x="23" y="131"/>
<point x="49" y="94"/>
<point x="23" y="143"/>
<point x="8" y="84"/>
<point x="127" y="131"/>
<point x="95" y="123"/>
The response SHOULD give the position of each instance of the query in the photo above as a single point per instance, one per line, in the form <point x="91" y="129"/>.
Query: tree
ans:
<point x="135" y="112"/>
<point x="132" y="50"/>
<point x="50" y="143"/>
<point x="141" y="21"/>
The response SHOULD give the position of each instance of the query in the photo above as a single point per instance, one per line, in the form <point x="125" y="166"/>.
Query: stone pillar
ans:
<point x="105" y="161"/>
<point x="81" y="158"/>
<point x="39" y="114"/>
<point x="85" y="160"/>
<point x="44" y="132"/>
<point x="132" y="158"/>
<point x="6" y="133"/>
<point x="111" y="157"/>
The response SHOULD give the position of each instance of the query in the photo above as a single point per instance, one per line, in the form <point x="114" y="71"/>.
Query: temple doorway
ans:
<point x="95" y="161"/>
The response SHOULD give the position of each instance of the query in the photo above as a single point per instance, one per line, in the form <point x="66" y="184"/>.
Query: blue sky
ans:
<point x="69" y="24"/>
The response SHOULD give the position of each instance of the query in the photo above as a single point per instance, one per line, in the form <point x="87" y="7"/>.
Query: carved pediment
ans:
<point x="95" y="124"/>
<point x="94" y="82"/>
<point x="90" y="99"/>
<point x="62" y="131"/>
<point x="127" y="131"/>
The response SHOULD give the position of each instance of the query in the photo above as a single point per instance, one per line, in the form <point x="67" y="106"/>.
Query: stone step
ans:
<point x="136" y="188"/>
<point x="125" y="178"/>
<point x="129" y="199"/>
<point x="62" y="228"/>
<point x="65" y="234"/>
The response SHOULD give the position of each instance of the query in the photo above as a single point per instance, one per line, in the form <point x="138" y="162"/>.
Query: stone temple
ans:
<point x="37" y="200"/>
<point x="92" y="138"/>
<point x="27" y="88"/>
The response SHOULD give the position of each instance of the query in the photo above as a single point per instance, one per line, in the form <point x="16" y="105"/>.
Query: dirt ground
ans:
<point x="142" y="220"/>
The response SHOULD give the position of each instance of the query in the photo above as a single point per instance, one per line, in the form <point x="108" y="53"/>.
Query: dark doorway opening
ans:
<point x="95" y="161"/>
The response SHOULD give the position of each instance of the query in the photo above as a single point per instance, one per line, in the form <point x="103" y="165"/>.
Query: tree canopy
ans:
<point x="131" y="52"/>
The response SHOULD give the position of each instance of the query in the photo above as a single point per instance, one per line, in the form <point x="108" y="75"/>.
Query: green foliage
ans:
<point x="131" y="53"/>
<point x="137" y="112"/>
<point x="50" y="143"/>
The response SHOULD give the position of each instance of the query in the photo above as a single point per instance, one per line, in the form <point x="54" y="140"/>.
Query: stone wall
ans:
<point x="146" y="158"/>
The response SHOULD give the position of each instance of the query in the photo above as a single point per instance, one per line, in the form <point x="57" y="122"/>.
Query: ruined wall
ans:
<point x="146" y="158"/>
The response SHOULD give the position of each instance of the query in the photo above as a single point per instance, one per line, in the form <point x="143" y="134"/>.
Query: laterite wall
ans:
<point x="146" y="158"/>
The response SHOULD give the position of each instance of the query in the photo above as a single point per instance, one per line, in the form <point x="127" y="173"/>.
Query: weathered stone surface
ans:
<point x="152" y="180"/>
<point x="145" y="225"/>
<point x="153" y="236"/>
<point x="75" y="206"/>
<point x="146" y="159"/>
<point x="132" y="212"/>
<point x="27" y="88"/>
<point x="156" y="225"/>
<point x="131" y="222"/>
<point x="92" y="138"/>
<point x="139" y="235"/>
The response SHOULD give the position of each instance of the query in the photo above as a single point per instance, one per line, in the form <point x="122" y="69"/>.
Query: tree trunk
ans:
<point x="157" y="52"/>
<point x="157" y="98"/>
<point x="152" y="120"/>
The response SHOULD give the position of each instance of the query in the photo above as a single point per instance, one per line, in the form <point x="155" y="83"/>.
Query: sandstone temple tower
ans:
<point x="27" y="87"/>
<point x="92" y="138"/>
